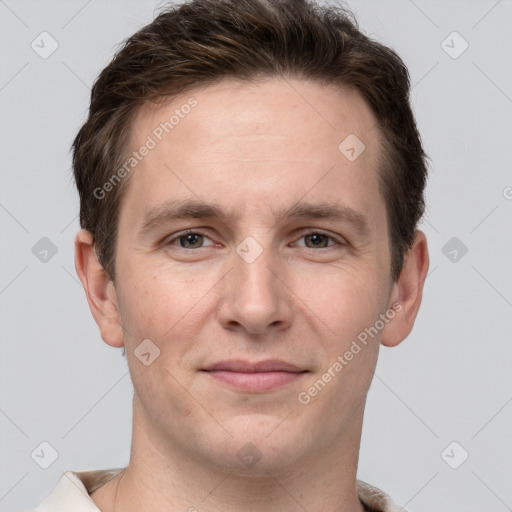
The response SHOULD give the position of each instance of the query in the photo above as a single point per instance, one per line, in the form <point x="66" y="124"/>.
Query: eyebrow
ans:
<point x="172" y="210"/>
<point x="169" y="211"/>
<point x="328" y="211"/>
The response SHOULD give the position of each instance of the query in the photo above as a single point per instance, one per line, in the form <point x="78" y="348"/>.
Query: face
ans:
<point x="247" y="236"/>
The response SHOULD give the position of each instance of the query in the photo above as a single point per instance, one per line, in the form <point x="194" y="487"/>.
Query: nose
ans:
<point x="255" y="298"/>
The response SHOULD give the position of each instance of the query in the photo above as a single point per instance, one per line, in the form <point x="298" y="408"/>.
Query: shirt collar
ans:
<point x="73" y="490"/>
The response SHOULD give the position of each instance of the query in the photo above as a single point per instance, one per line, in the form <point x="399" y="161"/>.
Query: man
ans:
<point x="250" y="178"/>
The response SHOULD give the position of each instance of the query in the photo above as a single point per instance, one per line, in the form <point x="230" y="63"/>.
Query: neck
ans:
<point x="162" y="476"/>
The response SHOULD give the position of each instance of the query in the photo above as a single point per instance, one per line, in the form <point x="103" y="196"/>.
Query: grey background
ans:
<point x="449" y="381"/>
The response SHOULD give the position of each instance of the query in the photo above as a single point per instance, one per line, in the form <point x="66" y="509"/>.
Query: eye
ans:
<point x="188" y="240"/>
<point x="316" y="239"/>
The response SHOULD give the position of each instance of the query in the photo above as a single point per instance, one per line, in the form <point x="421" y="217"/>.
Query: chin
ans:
<point x="257" y="446"/>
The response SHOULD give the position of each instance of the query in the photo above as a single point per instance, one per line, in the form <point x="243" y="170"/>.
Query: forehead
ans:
<point x="305" y="110"/>
<point x="249" y="143"/>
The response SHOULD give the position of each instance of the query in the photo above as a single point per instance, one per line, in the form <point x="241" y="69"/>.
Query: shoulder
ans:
<point x="376" y="500"/>
<point x="73" y="489"/>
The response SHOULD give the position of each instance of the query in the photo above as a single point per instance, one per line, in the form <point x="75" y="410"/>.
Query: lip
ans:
<point x="254" y="377"/>
<point x="241" y="366"/>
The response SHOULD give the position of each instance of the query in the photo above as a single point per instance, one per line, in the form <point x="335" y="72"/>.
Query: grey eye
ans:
<point x="316" y="240"/>
<point x="191" y="241"/>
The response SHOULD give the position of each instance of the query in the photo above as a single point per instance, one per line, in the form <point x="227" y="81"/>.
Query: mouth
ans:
<point x="254" y="377"/>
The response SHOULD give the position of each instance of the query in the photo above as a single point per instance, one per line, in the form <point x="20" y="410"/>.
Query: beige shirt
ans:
<point x="72" y="493"/>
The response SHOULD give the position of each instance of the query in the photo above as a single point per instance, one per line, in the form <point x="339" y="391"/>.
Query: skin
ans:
<point x="251" y="148"/>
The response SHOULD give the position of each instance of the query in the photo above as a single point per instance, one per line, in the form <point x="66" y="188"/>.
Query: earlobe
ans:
<point x="99" y="290"/>
<point x="407" y="292"/>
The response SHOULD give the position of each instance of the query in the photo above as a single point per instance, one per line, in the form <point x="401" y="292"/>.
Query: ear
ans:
<point x="407" y="292"/>
<point x="99" y="289"/>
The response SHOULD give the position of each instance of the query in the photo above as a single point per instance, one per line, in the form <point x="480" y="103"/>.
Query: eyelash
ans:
<point x="175" y="238"/>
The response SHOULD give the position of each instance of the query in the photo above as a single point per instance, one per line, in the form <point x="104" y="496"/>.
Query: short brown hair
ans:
<point x="203" y="41"/>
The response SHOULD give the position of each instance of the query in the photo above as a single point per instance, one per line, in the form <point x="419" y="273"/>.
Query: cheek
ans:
<point x="158" y="306"/>
<point x="347" y="304"/>
<point x="165" y="305"/>
<point x="345" y="301"/>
